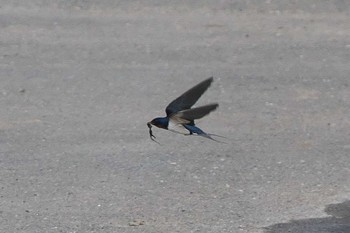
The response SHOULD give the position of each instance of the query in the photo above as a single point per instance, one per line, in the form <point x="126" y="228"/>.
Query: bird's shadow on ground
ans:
<point x="338" y="222"/>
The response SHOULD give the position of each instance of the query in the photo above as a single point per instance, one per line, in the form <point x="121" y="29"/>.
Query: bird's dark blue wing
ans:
<point x="189" y="98"/>
<point x="196" y="113"/>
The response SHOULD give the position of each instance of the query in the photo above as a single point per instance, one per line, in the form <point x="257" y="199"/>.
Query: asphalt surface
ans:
<point x="80" y="79"/>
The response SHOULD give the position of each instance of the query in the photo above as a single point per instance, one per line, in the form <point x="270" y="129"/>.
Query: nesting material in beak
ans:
<point x="150" y="132"/>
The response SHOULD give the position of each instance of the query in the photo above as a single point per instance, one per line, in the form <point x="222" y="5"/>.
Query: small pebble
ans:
<point x="136" y="223"/>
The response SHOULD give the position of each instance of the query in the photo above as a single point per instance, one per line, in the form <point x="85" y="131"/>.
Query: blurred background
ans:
<point x="80" y="79"/>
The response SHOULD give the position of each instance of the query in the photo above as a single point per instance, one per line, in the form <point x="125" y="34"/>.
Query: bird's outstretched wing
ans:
<point x="189" y="98"/>
<point x="196" y="113"/>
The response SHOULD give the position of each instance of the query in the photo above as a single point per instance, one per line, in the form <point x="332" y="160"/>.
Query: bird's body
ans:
<point x="180" y="116"/>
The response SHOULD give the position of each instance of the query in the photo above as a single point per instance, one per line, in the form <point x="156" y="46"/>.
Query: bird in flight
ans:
<point x="180" y="116"/>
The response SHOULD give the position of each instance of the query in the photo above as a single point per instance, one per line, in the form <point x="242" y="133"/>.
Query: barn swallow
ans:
<point x="180" y="116"/>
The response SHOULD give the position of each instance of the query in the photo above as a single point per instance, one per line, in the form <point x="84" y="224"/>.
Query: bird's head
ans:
<point x="160" y="122"/>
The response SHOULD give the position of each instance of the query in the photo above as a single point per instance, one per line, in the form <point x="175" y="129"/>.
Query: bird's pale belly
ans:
<point x="177" y="128"/>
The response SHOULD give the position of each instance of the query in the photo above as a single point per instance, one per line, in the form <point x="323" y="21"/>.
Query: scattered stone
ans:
<point x="136" y="223"/>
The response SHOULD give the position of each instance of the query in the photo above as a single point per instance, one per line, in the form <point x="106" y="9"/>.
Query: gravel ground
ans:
<point x="80" y="79"/>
